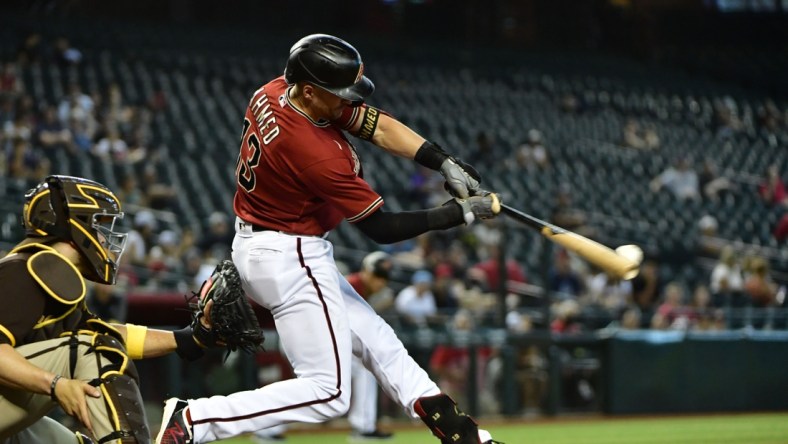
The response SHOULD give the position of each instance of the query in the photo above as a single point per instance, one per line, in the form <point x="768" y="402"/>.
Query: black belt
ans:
<point x="258" y="228"/>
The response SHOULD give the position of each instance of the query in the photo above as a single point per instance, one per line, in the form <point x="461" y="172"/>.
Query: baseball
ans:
<point x="631" y="252"/>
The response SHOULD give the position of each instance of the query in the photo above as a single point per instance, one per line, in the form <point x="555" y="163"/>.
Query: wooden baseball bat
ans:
<point x="594" y="252"/>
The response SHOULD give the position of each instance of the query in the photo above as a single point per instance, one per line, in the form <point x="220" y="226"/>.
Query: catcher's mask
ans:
<point x="330" y="63"/>
<point x="82" y="212"/>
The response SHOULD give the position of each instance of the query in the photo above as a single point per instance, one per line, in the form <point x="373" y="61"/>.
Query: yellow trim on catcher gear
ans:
<point x="29" y="246"/>
<point x="44" y="285"/>
<point x="30" y="206"/>
<point x="108" y="401"/>
<point x="95" y="242"/>
<point x="6" y="332"/>
<point x="135" y="340"/>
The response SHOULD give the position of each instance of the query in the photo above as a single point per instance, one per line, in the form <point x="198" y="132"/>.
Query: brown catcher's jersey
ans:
<point x="295" y="174"/>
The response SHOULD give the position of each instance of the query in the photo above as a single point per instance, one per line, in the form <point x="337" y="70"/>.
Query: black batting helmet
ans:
<point x="80" y="211"/>
<point x="330" y="63"/>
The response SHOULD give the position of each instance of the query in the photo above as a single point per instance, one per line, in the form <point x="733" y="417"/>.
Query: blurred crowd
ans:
<point x="455" y="281"/>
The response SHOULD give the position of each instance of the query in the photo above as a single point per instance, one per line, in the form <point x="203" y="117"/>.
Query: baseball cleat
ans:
<point x="376" y="435"/>
<point x="174" y="427"/>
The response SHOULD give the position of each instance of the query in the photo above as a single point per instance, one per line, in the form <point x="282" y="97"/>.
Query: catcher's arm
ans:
<point x="154" y="342"/>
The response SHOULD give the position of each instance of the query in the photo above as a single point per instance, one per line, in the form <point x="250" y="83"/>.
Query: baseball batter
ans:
<point x="298" y="176"/>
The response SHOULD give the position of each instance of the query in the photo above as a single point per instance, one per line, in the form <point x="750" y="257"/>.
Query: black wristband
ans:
<point x="186" y="347"/>
<point x="52" y="387"/>
<point x="446" y="216"/>
<point x="430" y="155"/>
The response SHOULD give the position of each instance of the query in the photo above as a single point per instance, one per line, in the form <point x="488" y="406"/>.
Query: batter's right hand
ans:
<point x="462" y="180"/>
<point x="71" y="393"/>
<point x="484" y="205"/>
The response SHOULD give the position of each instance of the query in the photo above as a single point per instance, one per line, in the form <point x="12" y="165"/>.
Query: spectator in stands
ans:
<point x="65" y="54"/>
<point x="726" y="117"/>
<point x="532" y="152"/>
<point x="673" y="313"/>
<point x="111" y="147"/>
<point x="50" y="133"/>
<point x="416" y="302"/>
<point x="566" y="317"/>
<point x="140" y="239"/>
<point x="81" y="134"/>
<point x="25" y="165"/>
<point x="759" y="285"/>
<point x="781" y="229"/>
<point x="680" y="179"/>
<point x="563" y="280"/>
<point x="636" y="136"/>
<point x="711" y="182"/>
<point x="726" y="277"/>
<point x="160" y="196"/>
<point x="772" y="188"/>
<point x="703" y="315"/>
<point x="489" y="272"/>
<point x="646" y="288"/>
<point x="21" y="127"/>
<point x="482" y="156"/>
<point x="129" y="192"/>
<point x="29" y="51"/>
<point x="709" y="244"/>
<point x="425" y="188"/>
<point x="608" y="292"/>
<point x="451" y="364"/>
<point x="565" y="215"/>
<point x="75" y="104"/>
<point x="446" y="288"/>
<point x="10" y="84"/>
<point x="219" y="234"/>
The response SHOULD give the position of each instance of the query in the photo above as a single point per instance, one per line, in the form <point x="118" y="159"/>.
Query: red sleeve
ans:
<point x="22" y="301"/>
<point x="334" y="181"/>
<point x="350" y="116"/>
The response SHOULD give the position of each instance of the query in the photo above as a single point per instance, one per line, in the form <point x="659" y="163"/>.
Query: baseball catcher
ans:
<point x="53" y="350"/>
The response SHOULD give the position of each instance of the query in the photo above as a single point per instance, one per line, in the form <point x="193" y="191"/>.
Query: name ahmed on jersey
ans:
<point x="264" y="116"/>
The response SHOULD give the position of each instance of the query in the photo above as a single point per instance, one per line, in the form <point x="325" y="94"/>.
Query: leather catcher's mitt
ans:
<point x="233" y="322"/>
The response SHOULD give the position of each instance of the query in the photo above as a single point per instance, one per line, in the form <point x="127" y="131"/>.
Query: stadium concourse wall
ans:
<point x="633" y="371"/>
<point x="662" y="372"/>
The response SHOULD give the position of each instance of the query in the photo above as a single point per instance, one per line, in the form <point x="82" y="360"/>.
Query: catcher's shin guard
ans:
<point x="118" y="383"/>
<point x="446" y="420"/>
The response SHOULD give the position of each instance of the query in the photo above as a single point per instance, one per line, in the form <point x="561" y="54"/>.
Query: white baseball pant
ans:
<point x="321" y="322"/>
<point x="363" y="414"/>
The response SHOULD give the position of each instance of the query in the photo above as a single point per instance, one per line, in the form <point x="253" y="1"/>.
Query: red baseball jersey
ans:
<point x="295" y="174"/>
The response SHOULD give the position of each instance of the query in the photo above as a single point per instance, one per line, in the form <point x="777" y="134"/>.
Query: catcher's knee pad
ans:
<point x="446" y="420"/>
<point x="118" y="382"/>
<point x="82" y="439"/>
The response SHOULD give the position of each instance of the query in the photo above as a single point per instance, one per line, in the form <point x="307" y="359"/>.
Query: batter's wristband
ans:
<point x="430" y="155"/>
<point x="186" y="347"/>
<point x="52" y="387"/>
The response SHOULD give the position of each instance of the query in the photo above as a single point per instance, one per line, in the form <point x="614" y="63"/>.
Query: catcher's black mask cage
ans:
<point x="329" y="63"/>
<point x="83" y="212"/>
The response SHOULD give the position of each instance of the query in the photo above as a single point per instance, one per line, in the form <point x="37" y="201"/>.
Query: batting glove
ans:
<point x="485" y="205"/>
<point x="460" y="180"/>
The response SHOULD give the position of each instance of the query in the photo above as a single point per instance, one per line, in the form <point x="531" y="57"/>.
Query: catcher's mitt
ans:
<point x="233" y="322"/>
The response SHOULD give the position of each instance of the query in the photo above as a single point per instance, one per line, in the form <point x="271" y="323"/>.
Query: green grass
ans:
<point x="715" y="429"/>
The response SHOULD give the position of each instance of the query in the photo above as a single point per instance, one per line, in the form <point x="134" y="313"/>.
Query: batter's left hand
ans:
<point x="462" y="180"/>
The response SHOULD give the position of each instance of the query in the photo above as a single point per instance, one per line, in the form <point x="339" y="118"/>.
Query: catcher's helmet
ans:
<point x="330" y="63"/>
<point x="80" y="211"/>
